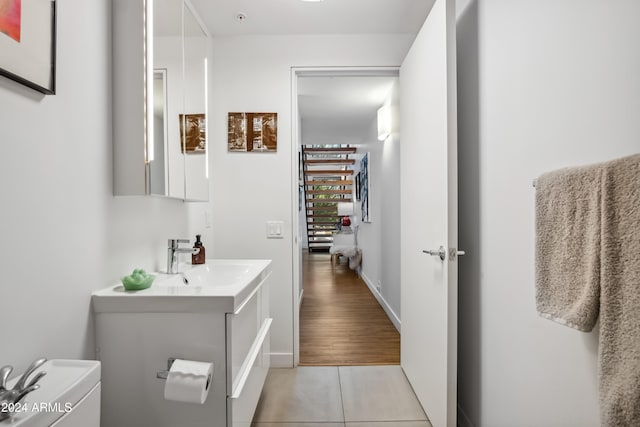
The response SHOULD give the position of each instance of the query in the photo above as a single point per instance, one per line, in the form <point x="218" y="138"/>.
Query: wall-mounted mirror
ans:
<point x="158" y="168"/>
<point x="195" y="107"/>
<point x="160" y="100"/>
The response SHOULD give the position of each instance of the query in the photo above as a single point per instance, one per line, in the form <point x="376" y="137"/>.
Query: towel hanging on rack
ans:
<point x="593" y="267"/>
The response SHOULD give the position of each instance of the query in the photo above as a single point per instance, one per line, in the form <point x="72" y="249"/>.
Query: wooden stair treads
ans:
<point x="329" y="172"/>
<point x="328" y="192"/>
<point x="328" y="180"/>
<point x="330" y="162"/>
<point x="321" y="232"/>
<point x="322" y="208"/>
<point x="327" y="200"/>
<point x="339" y="182"/>
<point x="325" y="150"/>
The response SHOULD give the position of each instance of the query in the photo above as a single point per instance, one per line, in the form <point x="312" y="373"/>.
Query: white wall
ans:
<point x="379" y="240"/>
<point x="63" y="233"/>
<point x="253" y="74"/>
<point x="542" y="85"/>
<point x="369" y="233"/>
<point x="390" y="210"/>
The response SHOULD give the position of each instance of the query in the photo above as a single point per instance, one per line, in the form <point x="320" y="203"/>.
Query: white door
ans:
<point x="429" y="215"/>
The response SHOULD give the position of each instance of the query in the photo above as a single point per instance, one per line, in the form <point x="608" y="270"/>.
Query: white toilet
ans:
<point x="69" y="396"/>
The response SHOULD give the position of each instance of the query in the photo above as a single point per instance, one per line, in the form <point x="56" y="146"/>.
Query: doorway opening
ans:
<point x="348" y="197"/>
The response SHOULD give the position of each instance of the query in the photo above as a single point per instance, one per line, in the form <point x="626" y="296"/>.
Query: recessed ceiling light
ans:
<point x="241" y="17"/>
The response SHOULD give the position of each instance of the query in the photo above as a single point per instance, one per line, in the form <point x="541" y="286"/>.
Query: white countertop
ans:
<point x="219" y="284"/>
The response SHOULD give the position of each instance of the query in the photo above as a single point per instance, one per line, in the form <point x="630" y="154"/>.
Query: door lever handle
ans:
<point x="441" y="252"/>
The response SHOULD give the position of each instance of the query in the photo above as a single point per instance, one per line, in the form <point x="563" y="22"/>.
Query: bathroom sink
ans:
<point x="217" y="284"/>
<point x="214" y="273"/>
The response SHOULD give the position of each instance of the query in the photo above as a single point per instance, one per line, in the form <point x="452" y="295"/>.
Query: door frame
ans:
<point x="296" y="273"/>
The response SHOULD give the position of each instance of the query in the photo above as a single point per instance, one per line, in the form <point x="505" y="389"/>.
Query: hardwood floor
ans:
<point x="341" y="322"/>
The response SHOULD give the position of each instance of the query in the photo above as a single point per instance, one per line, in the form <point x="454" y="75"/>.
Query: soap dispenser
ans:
<point x="200" y="256"/>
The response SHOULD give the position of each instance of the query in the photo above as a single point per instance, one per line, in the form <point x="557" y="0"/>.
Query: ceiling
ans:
<point x="325" y="17"/>
<point x="340" y="110"/>
<point x="331" y="108"/>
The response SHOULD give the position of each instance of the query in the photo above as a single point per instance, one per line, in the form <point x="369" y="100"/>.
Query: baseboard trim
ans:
<point x="463" y="420"/>
<point x="282" y="360"/>
<point x="383" y="303"/>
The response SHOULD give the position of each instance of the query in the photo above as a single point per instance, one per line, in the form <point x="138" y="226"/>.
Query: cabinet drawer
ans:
<point x="242" y="328"/>
<point x="246" y="390"/>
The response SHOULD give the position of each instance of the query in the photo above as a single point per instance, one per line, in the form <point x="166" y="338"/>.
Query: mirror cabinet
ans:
<point x="160" y="100"/>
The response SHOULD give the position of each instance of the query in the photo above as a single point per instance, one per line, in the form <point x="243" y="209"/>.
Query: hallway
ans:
<point x="341" y="322"/>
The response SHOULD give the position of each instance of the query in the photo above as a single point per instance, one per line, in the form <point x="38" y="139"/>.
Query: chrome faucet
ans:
<point x="11" y="397"/>
<point x="172" y="254"/>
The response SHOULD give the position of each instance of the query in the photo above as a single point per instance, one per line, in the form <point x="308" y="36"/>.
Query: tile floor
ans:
<point x="345" y="396"/>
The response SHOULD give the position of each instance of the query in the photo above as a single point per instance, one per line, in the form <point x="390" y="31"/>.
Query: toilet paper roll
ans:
<point x="188" y="381"/>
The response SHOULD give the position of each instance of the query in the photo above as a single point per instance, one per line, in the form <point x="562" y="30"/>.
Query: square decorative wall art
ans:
<point x="10" y="18"/>
<point x="193" y="133"/>
<point x="28" y="43"/>
<point x="252" y="132"/>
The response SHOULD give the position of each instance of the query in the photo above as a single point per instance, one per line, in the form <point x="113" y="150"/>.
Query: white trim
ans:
<point x="281" y="360"/>
<point x="383" y="303"/>
<point x="295" y="221"/>
<point x="463" y="420"/>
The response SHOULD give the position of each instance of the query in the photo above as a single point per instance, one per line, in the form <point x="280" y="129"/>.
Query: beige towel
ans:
<point x="588" y="262"/>
<point x="619" y="348"/>
<point x="568" y="246"/>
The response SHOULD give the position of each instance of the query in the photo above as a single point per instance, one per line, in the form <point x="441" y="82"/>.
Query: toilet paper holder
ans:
<point x="163" y="375"/>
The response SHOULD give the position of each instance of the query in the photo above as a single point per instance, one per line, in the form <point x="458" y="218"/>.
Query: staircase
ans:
<point x="328" y="179"/>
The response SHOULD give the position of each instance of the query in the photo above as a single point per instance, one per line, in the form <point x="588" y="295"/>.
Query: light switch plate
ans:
<point x="275" y="230"/>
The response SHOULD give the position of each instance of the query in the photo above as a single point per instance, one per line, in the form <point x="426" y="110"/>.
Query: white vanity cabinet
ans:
<point x="210" y="320"/>
<point x="248" y="357"/>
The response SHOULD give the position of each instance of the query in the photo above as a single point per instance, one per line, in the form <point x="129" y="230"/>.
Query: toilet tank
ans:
<point x="69" y="396"/>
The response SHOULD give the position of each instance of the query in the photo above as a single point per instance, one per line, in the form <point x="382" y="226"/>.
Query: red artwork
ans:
<point x="10" y="18"/>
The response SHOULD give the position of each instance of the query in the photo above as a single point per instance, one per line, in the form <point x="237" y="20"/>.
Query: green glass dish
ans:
<point x="137" y="282"/>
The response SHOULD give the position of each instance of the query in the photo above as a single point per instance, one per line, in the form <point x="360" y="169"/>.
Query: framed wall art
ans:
<point x="364" y="188"/>
<point x="28" y="43"/>
<point x="252" y="132"/>
<point x="193" y="133"/>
